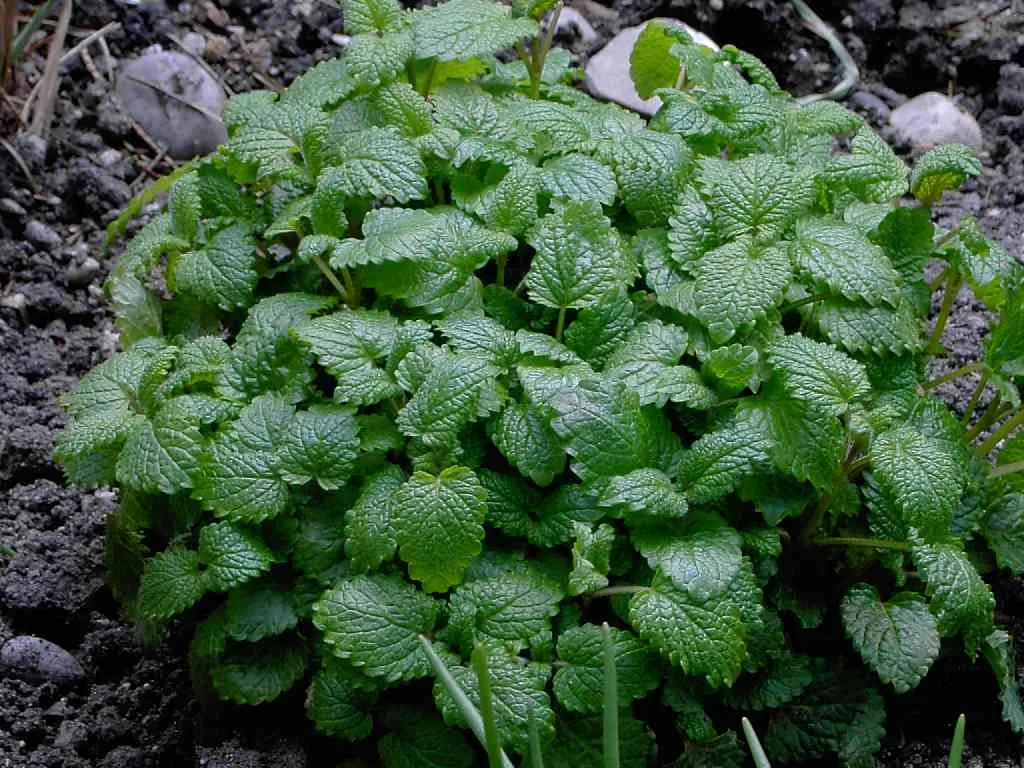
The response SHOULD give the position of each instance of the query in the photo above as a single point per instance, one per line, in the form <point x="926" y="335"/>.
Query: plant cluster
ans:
<point x="437" y="347"/>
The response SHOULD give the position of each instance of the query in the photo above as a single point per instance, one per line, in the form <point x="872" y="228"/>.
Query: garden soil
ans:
<point x="134" y="706"/>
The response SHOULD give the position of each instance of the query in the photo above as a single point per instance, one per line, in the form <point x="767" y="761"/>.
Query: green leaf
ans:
<point x="591" y="558"/>
<point x="999" y="653"/>
<point x="462" y="29"/>
<point x="759" y="194"/>
<point x="651" y="170"/>
<point x="517" y="688"/>
<point x="807" y="440"/>
<point x="646" y="492"/>
<point x="340" y="701"/>
<point x="872" y="171"/>
<point x="578" y="685"/>
<point x="907" y="236"/>
<point x="578" y="257"/>
<point x="512" y="205"/>
<point x="786" y="677"/>
<point x="706" y="637"/>
<point x="171" y="582"/>
<point x="260" y="672"/>
<point x="377" y="163"/>
<point x="701" y="555"/>
<point x="369" y="532"/>
<point x="321" y="443"/>
<point x="651" y="63"/>
<point x="365" y="16"/>
<point x="373" y="60"/>
<point x="448" y="400"/>
<point x="88" y="448"/>
<point x="578" y="177"/>
<point x="819" y="373"/>
<point x="691" y="230"/>
<point x="961" y="601"/>
<point x="836" y="256"/>
<point x="524" y="436"/>
<point x="898" y="638"/>
<point x="420" y="739"/>
<point x="1004" y="531"/>
<point x="861" y="328"/>
<point x="114" y="386"/>
<point x="557" y="516"/>
<point x="232" y="555"/>
<point x="258" y="610"/>
<point x="439" y="525"/>
<point x="944" y="168"/>
<point x="222" y="273"/>
<point x="922" y="474"/>
<point x="374" y="622"/>
<point x="508" y="610"/>
<point x="162" y="455"/>
<point x="714" y="465"/>
<point x="720" y="752"/>
<point x="476" y="332"/>
<point x="1004" y="347"/>
<point x="579" y="741"/>
<point x="737" y="283"/>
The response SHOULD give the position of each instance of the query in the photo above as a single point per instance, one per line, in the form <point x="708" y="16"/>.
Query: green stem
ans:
<point x="991" y="415"/>
<point x="939" y="279"/>
<point x="954" y="232"/>
<point x="623" y="590"/>
<point x="560" y="324"/>
<point x="975" y="397"/>
<point x="859" y="541"/>
<point x="611" y="700"/>
<point x="812" y="299"/>
<point x="997" y="437"/>
<point x="858" y="466"/>
<point x="536" y="755"/>
<point x="439" y="195"/>
<point x="331" y="277"/>
<point x="953" y="284"/>
<point x="351" y="288"/>
<point x="1008" y="469"/>
<point x="963" y="370"/>
<point x="483" y="677"/>
<point x="500" y="277"/>
<point x="540" y="52"/>
<point x="956" y="748"/>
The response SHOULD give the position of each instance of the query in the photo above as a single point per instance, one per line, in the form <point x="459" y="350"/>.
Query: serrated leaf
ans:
<point x="555" y="519"/>
<point x="807" y="440"/>
<point x="524" y="436"/>
<point x="369" y="531"/>
<point x="171" y="582"/>
<point x="646" y="492"/>
<point x="476" y="332"/>
<point x="579" y="685"/>
<point x="999" y="652"/>
<point x="365" y="16"/>
<point x="260" y="672"/>
<point x="375" y="623"/>
<point x="579" y="741"/>
<point x="578" y="177"/>
<point x="737" y="283"/>
<point x="921" y="473"/>
<point x="517" y="690"/>
<point x="439" y="525"/>
<point x="872" y="171"/>
<point x="591" y="558"/>
<point x="818" y="373"/>
<point x="578" y="257"/>
<point x="448" y="399"/>
<point x="898" y="639"/>
<point x="340" y="701"/>
<point x="838" y="257"/>
<point x="961" y="601"/>
<point x="862" y="328"/>
<point x="232" y="555"/>
<point x="944" y="168"/>
<point x="115" y="385"/>
<point x="713" y="466"/>
<point x="162" y="455"/>
<point x="759" y="194"/>
<point x="258" y="610"/>
<point x="651" y="170"/>
<point x="373" y="60"/>
<point x="322" y="444"/>
<point x="651" y="63"/>
<point x="508" y="610"/>
<point x="377" y="163"/>
<point x="222" y="273"/>
<point x="907" y="236"/>
<point x="785" y="678"/>
<point x="462" y="29"/>
<point x="1004" y="530"/>
<point x="423" y="740"/>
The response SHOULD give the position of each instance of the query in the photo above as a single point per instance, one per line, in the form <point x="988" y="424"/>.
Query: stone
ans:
<point x="932" y="118"/>
<point x="82" y="274"/>
<point x="576" y="23"/>
<point x="872" y="104"/>
<point x="1010" y="89"/>
<point x="176" y="101"/>
<point x="10" y="206"/>
<point x="32" y="149"/>
<point x="41" y="236"/>
<point x="608" y="70"/>
<point x="194" y="42"/>
<point x="40" y="659"/>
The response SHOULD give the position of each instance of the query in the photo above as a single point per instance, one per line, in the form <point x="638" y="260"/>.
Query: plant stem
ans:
<point x="439" y="196"/>
<point x="856" y="467"/>
<point x="954" y="232"/>
<point x="1008" y="469"/>
<point x="560" y="324"/>
<point x="953" y="284"/>
<point x="975" y="397"/>
<point x="483" y="678"/>
<point x="756" y="750"/>
<point x="611" y="700"/>
<point x="963" y="370"/>
<point x="997" y="437"/>
<point x="812" y="299"/>
<point x="991" y="415"/>
<point x="938" y="280"/>
<point x="859" y="541"/>
<point x="351" y="288"/>
<point x="500" y="277"/>
<point x="536" y="755"/>
<point x="623" y="590"/>
<point x="331" y="277"/>
<point x="540" y="51"/>
<point x="956" y="748"/>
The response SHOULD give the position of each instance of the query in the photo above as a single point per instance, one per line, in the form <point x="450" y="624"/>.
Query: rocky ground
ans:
<point x="93" y="695"/>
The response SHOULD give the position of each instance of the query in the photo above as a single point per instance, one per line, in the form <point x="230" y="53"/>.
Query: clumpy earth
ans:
<point x="131" y="705"/>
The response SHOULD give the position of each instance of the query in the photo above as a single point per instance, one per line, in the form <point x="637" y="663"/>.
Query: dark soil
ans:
<point x="135" y="707"/>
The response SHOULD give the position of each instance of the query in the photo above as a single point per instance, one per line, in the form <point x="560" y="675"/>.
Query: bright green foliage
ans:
<point x="437" y="348"/>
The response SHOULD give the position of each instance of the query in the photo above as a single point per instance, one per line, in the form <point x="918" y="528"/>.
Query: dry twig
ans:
<point x="42" y="116"/>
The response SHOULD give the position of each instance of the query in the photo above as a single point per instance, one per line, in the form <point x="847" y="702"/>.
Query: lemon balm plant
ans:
<point x="438" y="349"/>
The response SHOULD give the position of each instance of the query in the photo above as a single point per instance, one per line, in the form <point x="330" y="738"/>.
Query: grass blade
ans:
<point x="465" y="706"/>
<point x="611" y="701"/>
<point x="957" y="748"/>
<point x="483" y="676"/>
<point x="26" y="32"/>
<point x="760" y="758"/>
<point x="536" y="755"/>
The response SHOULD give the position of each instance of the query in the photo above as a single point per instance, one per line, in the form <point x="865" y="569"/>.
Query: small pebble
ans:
<point x="872" y="104"/>
<point x="109" y="158"/>
<point x="931" y="119"/>
<point x="195" y="43"/>
<point x="14" y="301"/>
<point x="39" y="658"/>
<point x="9" y="206"/>
<point x="83" y="274"/>
<point x="40" y="235"/>
<point x="574" y="21"/>
<point x="340" y="39"/>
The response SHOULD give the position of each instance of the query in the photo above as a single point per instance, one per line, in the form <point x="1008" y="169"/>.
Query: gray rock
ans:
<point x="608" y="69"/>
<point x="10" y="206"/>
<point x="83" y="274"/>
<point x="931" y="119"/>
<point x="38" y="658"/>
<point x="871" y="104"/>
<point x="41" y="236"/>
<point x="32" y="149"/>
<point x="577" y="24"/>
<point x="186" y="123"/>
<point x="194" y="42"/>
<point x="71" y="734"/>
<point x="1011" y="88"/>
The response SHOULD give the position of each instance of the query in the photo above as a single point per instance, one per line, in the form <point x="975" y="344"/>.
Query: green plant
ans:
<point x="438" y="346"/>
<point x="13" y="40"/>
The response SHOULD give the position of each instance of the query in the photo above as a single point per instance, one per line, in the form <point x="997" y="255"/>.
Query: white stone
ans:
<point x="608" y="69"/>
<point x="931" y="119"/>
<point x="572" y="19"/>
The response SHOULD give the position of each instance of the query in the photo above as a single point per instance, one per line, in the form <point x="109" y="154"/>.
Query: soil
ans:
<point x="135" y="707"/>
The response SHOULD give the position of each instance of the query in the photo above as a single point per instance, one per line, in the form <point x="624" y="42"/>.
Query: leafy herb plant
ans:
<point x="437" y="346"/>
